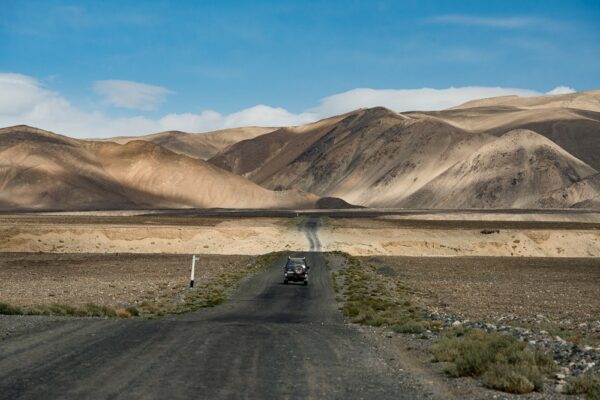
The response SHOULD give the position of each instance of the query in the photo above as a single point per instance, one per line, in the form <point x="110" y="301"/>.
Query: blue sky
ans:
<point x="105" y="68"/>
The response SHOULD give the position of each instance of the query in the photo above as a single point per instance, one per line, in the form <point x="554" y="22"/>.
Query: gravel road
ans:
<point x="310" y="227"/>
<point x="270" y="341"/>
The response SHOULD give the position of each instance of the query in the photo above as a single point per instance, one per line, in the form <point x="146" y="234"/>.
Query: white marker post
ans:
<point x="194" y="258"/>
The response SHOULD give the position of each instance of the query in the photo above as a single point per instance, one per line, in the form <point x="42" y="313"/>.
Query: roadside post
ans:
<point x="194" y="258"/>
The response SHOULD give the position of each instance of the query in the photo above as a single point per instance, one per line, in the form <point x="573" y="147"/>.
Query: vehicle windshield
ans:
<point x="293" y="263"/>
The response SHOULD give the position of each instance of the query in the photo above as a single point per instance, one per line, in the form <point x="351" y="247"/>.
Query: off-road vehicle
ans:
<point x="296" y="270"/>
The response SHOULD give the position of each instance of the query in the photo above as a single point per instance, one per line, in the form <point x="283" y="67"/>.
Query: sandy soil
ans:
<point x="568" y="235"/>
<point x="158" y="235"/>
<point x="108" y="279"/>
<point x="450" y="237"/>
<point x="565" y="291"/>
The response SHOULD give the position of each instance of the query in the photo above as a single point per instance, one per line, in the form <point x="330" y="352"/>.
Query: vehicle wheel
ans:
<point x="305" y="283"/>
<point x="285" y="281"/>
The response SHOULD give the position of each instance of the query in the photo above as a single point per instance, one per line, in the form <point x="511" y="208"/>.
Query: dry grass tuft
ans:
<point x="587" y="384"/>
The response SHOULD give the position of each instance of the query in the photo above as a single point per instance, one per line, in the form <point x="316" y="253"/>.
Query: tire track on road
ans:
<point x="310" y="227"/>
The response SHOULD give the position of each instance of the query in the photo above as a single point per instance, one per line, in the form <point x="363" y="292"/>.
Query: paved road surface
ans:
<point x="270" y="341"/>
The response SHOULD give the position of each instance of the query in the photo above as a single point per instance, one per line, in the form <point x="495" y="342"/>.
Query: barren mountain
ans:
<point x="42" y="170"/>
<point x="572" y="121"/>
<point x="379" y="158"/>
<point x="503" y="152"/>
<point x="513" y="171"/>
<point x="372" y="157"/>
<point x="197" y="145"/>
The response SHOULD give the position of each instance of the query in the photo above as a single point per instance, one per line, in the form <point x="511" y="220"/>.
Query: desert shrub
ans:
<point x="502" y="362"/>
<point x="519" y="379"/>
<point x="123" y="313"/>
<point x="411" y="326"/>
<point x="351" y="310"/>
<point x="95" y="310"/>
<point x="489" y="231"/>
<point x="133" y="311"/>
<point x="587" y="384"/>
<point x="7" y="309"/>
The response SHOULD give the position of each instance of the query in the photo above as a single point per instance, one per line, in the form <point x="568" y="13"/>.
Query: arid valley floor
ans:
<point x="533" y="274"/>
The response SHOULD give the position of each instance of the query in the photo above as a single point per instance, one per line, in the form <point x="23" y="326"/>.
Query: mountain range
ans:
<point x="504" y="152"/>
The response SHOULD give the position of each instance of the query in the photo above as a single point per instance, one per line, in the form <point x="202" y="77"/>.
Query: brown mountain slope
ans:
<point x="371" y="157"/>
<point x="267" y="154"/>
<point x="42" y="170"/>
<point x="197" y="145"/>
<point x="515" y="170"/>
<point x="577" y="131"/>
<point x="582" y="194"/>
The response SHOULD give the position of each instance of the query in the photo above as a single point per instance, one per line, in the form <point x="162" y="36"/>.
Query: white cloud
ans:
<point x="492" y="22"/>
<point x="21" y="93"/>
<point x="23" y="100"/>
<point x="260" y="115"/>
<point x="561" y="90"/>
<point x="129" y="94"/>
<point x="411" y="99"/>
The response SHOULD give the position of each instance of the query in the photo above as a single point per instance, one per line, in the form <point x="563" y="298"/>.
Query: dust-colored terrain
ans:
<point x="114" y="280"/>
<point x="150" y="235"/>
<point x="480" y="234"/>
<point x="484" y="235"/>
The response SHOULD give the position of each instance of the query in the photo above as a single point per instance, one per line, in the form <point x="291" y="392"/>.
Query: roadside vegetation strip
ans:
<point x="371" y="298"/>
<point x="498" y="360"/>
<point x="209" y="293"/>
<point x="65" y="310"/>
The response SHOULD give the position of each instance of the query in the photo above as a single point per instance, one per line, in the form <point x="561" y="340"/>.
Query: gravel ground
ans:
<point x="106" y="279"/>
<point x="412" y="352"/>
<point x="547" y="293"/>
<point x="552" y="304"/>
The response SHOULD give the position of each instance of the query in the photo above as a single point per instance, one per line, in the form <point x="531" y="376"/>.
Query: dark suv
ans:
<point x="296" y="270"/>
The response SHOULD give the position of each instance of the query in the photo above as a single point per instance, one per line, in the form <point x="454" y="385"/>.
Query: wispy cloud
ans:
<point x="514" y="22"/>
<point x="129" y="94"/>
